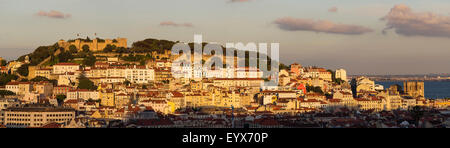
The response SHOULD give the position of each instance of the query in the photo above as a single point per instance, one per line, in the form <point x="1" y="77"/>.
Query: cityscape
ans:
<point x="86" y="67"/>
<point x="101" y="83"/>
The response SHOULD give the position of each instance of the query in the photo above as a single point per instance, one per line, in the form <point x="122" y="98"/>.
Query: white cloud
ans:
<point x="54" y="14"/>
<point x="405" y="22"/>
<point x="295" y="24"/>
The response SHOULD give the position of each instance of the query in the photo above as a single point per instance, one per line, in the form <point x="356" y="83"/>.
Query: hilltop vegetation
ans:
<point x="5" y="78"/>
<point x="150" y="45"/>
<point x="40" y="55"/>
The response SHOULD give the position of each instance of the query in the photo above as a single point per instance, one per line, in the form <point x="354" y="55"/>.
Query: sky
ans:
<point x="362" y="36"/>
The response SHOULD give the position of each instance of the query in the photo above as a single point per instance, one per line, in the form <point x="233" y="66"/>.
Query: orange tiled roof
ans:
<point x="66" y="64"/>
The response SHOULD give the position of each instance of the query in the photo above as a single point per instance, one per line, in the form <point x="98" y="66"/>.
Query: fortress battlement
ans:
<point x="94" y="45"/>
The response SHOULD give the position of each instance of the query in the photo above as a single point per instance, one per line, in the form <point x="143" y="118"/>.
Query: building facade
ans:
<point x="36" y="116"/>
<point x="414" y="89"/>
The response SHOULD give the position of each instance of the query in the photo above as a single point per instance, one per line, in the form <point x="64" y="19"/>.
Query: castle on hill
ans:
<point x="94" y="45"/>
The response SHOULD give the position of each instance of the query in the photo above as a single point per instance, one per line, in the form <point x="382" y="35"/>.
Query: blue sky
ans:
<point x="27" y="24"/>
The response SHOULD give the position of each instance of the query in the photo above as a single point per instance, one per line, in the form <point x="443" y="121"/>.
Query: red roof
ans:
<point x="80" y="90"/>
<point x="177" y="94"/>
<point x="335" y="100"/>
<point x="62" y="86"/>
<point x="236" y="79"/>
<point x="71" y="101"/>
<point x="17" y="83"/>
<point x="309" y="100"/>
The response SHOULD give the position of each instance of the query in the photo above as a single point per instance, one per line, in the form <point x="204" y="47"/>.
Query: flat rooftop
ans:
<point x="39" y="108"/>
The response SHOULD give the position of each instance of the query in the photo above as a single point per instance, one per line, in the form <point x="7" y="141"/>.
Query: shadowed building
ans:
<point x="414" y="88"/>
<point x="395" y="89"/>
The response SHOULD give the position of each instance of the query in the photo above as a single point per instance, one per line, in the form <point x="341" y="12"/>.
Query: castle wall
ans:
<point x="94" y="45"/>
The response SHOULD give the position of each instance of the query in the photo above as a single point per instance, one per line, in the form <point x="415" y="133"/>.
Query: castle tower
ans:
<point x="414" y="88"/>
<point x="27" y="60"/>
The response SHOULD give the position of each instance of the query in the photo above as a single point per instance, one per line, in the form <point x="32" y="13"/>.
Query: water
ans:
<point x="433" y="89"/>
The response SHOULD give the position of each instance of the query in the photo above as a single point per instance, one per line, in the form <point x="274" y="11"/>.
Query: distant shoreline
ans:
<point x="444" y="78"/>
<point x="390" y="80"/>
<point x="433" y="89"/>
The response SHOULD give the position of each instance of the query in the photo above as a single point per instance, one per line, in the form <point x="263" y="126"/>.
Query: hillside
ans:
<point x="53" y="54"/>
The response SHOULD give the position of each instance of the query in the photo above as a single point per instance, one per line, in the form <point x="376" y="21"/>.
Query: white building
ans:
<point x="341" y="74"/>
<point x="112" y="80"/>
<point x="248" y="72"/>
<point x="272" y="96"/>
<point x="157" y="105"/>
<point x="62" y="68"/>
<point x="115" y="72"/>
<point x="32" y="97"/>
<point x="379" y="87"/>
<point x="36" y="116"/>
<point x="68" y="78"/>
<point x="82" y="94"/>
<point x="19" y="88"/>
<point x="140" y="74"/>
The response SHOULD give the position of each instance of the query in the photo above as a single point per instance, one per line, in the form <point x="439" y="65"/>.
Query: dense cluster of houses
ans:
<point x="130" y="95"/>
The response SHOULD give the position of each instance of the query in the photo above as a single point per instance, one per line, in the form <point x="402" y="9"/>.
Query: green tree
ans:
<point x="127" y="83"/>
<point x="282" y="66"/>
<point x="142" y="63"/>
<point x="5" y="78"/>
<point x="23" y="70"/>
<point x="85" y="83"/>
<point x="61" y="98"/>
<point x="339" y="81"/>
<point x="4" y="93"/>
<point x="65" y="56"/>
<point x="109" y="48"/>
<point x="73" y="49"/>
<point x="3" y="63"/>
<point x="40" y="54"/>
<point x="316" y="89"/>
<point x="89" y="60"/>
<point x="122" y="50"/>
<point x="149" y="56"/>
<point x="86" y="48"/>
<point x="39" y="79"/>
<point x="333" y="75"/>
<point x="93" y="101"/>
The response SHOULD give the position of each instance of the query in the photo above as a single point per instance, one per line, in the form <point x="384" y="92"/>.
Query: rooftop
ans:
<point x="39" y="108"/>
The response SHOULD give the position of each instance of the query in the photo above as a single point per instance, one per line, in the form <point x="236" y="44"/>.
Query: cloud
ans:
<point x="333" y="9"/>
<point x="173" y="24"/>
<point x="54" y="14"/>
<point x="294" y="24"/>
<point x="405" y="22"/>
